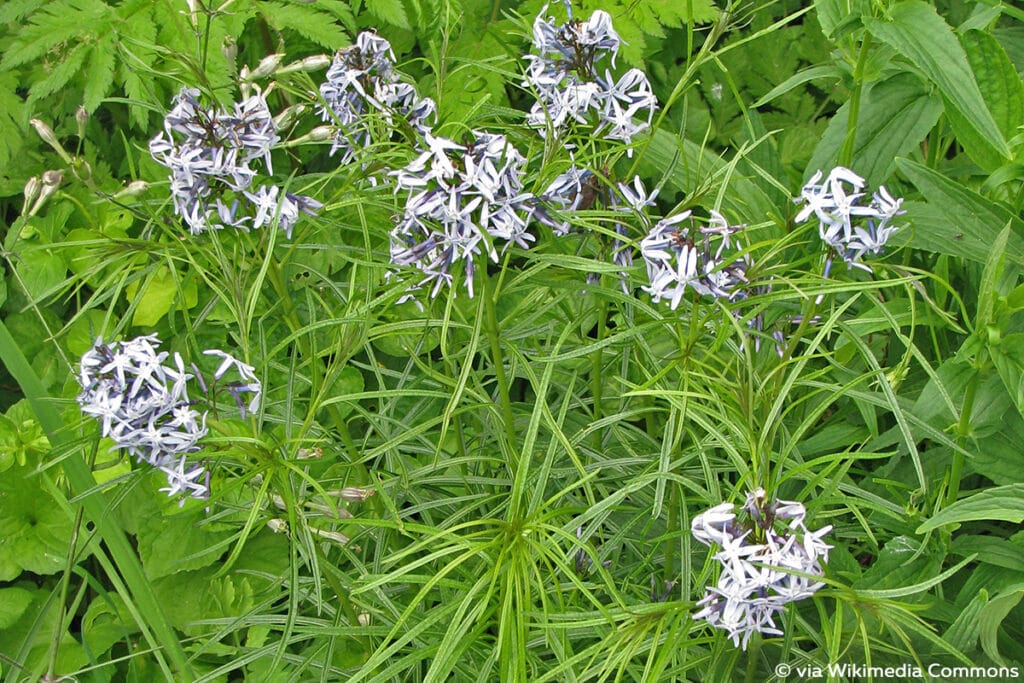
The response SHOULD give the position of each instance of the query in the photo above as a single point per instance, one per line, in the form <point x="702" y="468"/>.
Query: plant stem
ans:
<point x="846" y="153"/>
<point x="596" y="374"/>
<point x="962" y="430"/>
<point x="494" y="334"/>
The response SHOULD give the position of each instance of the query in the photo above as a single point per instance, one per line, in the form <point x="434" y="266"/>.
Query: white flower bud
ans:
<point x="47" y="135"/>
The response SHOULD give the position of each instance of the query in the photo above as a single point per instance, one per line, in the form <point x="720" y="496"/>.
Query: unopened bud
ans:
<point x="335" y="536"/>
<point x="352" y="493"/>
<point x="81" y="118"/>
<point x="288" y="116"/>
<point x="267" y="66"/>
<point x="193" y="11"/>
<point x="311" y="63"/>
<point x="81" y="168"/>
<point x="46" y="133"/>
<point x="318" y="134"/>
<point x="132" y="189"/>
<point x="364" y="619"/>
<point x="229" y="48"/>
<point x="31" y="192"/>
<point x="50" y="184"/>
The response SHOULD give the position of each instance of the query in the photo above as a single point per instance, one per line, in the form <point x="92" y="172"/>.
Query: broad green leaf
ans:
<point x="1008" y="359"/>
<point x="900" y="564"/>
<point x="13" y="603"/>
<point x="171" y="544"/>
<point x="999" y="82"/>
<point x="1005" y="503"/>
<point x="35" y="531"/>
<point x="991" y="550"/>
<point x="34" y="633"/>
<point x="919" y="34"/>
<point x="107" y="621"/>
<point x="963" y="633"/>
<point x="992" y="616"/>
<point x="41" y="272"/>
<point x="159" y="293"/>
<point x="839" y="17"/>
<point x="957" y="221"/>
<point x="895" y="116"/>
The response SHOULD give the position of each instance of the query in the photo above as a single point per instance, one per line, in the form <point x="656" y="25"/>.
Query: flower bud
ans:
<point x="132" y="189"/>
<point x="267" y="66"/>
<point x="46" y="133"/>
<point x="50" y="184"/>
<point x="311" y="63"/>
<point x="352" y="493"/>
<point x="288" y="116"/>
<point x="318" y="134"/>
<point x="81" y="118"/>
<point x="229" y="48"/>
<point x="31" y="192"/>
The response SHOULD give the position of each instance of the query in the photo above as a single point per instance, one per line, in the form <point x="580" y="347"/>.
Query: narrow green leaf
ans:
<point x="689" y="168"/>
<point x="919" y="34"/>
<point x="1005" y="503"/>
<point x="799" y="78"/>
<point x="990" y="278"/>
<point x="957" y="221"/>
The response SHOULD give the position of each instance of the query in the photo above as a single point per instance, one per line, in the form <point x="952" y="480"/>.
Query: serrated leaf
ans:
<point x="919" y="34"/>
<point x="390" y="11"/>
<point x="958" y="221"/>
<point x="99" y="75"/>
<point x="61" y="74"/>
<point x="1003" y="503"/>
<point x="309" y="23"/>
<point x="15" y="10"/>
<point x="57" y="23"/>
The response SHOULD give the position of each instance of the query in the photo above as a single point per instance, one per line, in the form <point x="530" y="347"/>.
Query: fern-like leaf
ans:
<point x="99" y="75"/>
<point x="317" y="26"/>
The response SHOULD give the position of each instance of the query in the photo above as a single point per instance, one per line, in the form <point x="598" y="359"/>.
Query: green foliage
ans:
<point x="500" y="487"/>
